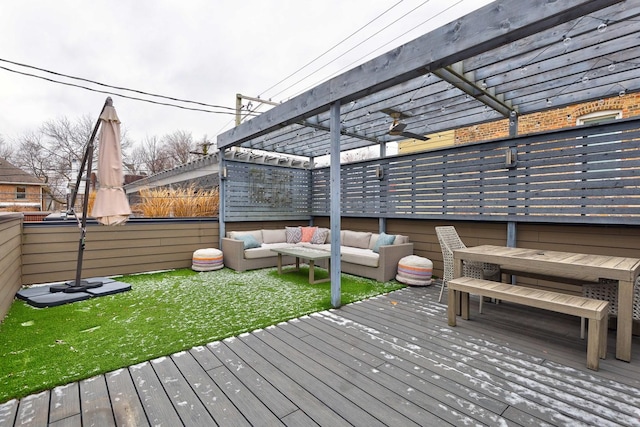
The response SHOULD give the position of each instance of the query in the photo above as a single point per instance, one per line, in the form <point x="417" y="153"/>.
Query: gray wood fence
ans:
<point x="585" y="175"/>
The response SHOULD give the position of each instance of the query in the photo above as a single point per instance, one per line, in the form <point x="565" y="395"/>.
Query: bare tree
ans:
<point x="151" y="156"/>
<point x="6" y="151"/>
<point x="34" y="157"/>
<point x="357" y="155"/>
<point x="49" y="152"/>
<point x="179" y="146"/>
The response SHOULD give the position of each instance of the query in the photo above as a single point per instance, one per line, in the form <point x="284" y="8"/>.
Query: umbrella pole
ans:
<point x="77" y="285"/>
<point x="83" y="228"/>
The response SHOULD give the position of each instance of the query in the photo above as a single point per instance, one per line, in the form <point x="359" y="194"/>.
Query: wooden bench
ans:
<point x="595" y="310"/>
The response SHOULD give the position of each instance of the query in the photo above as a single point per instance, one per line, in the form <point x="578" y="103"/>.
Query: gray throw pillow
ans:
<point x="294" y="234"/>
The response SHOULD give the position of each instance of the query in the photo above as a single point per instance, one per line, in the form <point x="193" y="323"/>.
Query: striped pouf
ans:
<point x="207" y="259"/>
<point x="415" y="270"/>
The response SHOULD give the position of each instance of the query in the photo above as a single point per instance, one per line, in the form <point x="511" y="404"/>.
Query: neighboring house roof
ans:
<point x="204" y="171"/>
<point x="201" y="167"/>
<point x="10" y="174"/>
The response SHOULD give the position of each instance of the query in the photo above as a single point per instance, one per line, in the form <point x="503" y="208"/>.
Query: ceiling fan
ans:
<point x="397" y="128"/>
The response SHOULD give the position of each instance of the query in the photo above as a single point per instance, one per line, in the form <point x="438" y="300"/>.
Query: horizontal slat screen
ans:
<point x="257" y="192"/>
<point x="581" y="175"/>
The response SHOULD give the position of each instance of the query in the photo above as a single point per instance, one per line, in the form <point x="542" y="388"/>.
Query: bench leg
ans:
<point x="603" y="337"/>
<point x="451" y="306"/>
<point x="594" y="346"/>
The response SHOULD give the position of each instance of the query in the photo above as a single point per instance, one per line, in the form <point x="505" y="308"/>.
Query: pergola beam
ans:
<point x="455" y="75"/>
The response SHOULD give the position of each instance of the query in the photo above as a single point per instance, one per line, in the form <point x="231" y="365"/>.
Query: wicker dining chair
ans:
<point x="450" y="241"/>
<point x="608" y="291"/>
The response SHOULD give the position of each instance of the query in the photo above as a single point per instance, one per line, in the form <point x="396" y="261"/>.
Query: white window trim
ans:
<point x="616" y="114"/>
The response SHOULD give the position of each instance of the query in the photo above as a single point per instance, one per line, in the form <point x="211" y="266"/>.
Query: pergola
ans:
<point x="504" y="60"/>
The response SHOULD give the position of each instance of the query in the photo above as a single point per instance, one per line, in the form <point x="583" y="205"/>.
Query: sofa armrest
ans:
<point x="233" y="253"/>
<point x="389" y="257"/>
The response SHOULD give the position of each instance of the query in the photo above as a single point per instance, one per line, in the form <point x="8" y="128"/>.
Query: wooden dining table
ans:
<point x="574" y="267"/>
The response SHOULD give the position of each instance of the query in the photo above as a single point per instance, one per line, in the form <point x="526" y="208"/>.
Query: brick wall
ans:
<point x="554" y="118"/>
<point x="8" y="195"/>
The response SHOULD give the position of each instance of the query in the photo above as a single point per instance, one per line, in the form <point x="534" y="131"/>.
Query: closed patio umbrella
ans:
<point x="111" y="206"/>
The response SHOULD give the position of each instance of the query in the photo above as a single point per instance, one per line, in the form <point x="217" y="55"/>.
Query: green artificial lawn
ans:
<point x="162" y="314"/>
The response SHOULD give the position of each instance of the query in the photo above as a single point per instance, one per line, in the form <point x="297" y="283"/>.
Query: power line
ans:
<point x="109" y="86"/>
<point x="115" y="93"/>
<point x="331" y="48"/>
<point x="386" y="44"/>
<point x="352" y="48"/>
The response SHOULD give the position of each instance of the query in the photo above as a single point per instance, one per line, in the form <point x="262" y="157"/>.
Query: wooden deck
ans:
<point x="391" y="360"/>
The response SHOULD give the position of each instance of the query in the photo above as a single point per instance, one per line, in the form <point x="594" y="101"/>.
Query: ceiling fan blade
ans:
<point x="414" y="136"/>
<point x="397" y="128"/>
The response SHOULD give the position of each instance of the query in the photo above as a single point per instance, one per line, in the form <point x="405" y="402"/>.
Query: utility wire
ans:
<point x="380" y="47"/>
<point x="352" y="48"/>
<point x="111" y="86"/>
<point x="331" y="48"/>
<point x="116" y="94"/>
<point x="314" y="60"/>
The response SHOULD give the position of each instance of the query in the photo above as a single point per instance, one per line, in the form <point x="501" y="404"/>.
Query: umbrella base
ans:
<point x="71" y="287"/>
<point x="43" y="296"/>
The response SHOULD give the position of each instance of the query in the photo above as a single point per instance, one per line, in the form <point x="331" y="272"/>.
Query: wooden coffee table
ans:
<point x="305" y="253"/>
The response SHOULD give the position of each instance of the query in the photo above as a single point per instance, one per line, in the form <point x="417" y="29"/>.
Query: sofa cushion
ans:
<point x="356" y="239"/>
<point x="264" y="251"/>
<point x="274" y="236"/>
<point x="307" y="233"/>
<point x="294" y="234"/>
<point x="359" y="256"/>
<point x="383" y="240"/>
<point x="255" y="233"/>
<point x="374" y="239"/>
<point x="249" y="240"/>
<point x="400" y="239"/>
<point x="320" y="236"/>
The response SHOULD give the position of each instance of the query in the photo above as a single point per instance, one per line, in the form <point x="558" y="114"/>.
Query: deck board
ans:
<point x="64" y="402"/>
<point x="390" y="360"/>
<point x="95" y="403"/>
<point x="263" y="390"/>
<point x="127" y="408"/>
<point x="189" y="407"/>
<point x="155" y="402"/>
<point x="209" y="392"/>
<point x="33" y="410"/>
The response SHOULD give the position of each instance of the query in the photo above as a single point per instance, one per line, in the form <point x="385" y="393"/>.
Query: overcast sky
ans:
<point x="198" y="50"/>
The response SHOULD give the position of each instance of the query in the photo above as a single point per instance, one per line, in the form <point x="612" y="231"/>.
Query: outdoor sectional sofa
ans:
<point x="365" y="254"/>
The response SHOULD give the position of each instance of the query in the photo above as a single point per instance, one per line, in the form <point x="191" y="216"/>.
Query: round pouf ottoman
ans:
<point x="414" y="270"/>
<point x="207" y="259"/>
